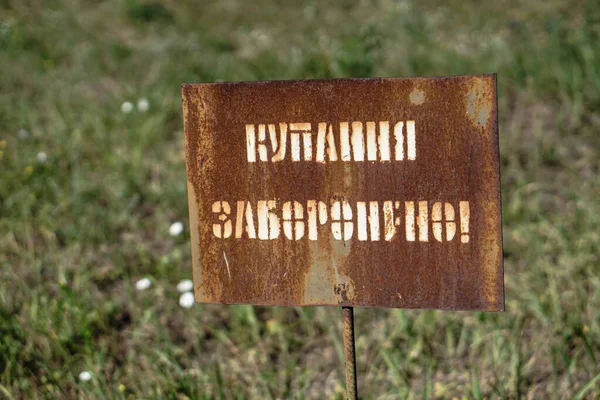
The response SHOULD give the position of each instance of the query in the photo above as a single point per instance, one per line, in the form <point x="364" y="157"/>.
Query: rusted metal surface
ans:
<point x="349" y="355"/>
<point x="356" y="192"/>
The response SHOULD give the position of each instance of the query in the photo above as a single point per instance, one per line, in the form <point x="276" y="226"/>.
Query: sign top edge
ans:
<point x="374" y="79"/>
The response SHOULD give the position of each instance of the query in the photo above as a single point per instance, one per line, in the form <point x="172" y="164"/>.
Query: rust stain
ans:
<point x="356" y="192"/>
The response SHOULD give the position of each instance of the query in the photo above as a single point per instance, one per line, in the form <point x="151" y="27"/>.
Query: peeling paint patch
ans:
<point x="479" y="102"/>
<point x="417" y="97"/>
<point x="344" y="291"/>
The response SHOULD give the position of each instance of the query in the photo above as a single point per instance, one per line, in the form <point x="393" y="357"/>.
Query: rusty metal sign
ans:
<point x="355" y="192"/>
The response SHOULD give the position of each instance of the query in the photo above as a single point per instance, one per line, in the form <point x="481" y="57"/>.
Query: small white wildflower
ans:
<point x="143" y="284"/>
<point x="23" y="134"/>
<point x="41" y="157"/>
<point x="143" y="104"/>
<point x="85" y="376"/>
<point x="186" y="300"/>
<point x="176" y="228"/>
<point x="127" y="107"/>
<point x="185" y="286"/>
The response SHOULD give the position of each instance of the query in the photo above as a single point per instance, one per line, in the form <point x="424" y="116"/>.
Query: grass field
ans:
<point x="88" y="193"/>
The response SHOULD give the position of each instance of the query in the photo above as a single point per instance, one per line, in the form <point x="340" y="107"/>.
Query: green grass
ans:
<point x="77" y="231"/>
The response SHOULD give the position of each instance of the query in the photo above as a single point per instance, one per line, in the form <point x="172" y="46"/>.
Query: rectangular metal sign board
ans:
<point x="355" y="192"/>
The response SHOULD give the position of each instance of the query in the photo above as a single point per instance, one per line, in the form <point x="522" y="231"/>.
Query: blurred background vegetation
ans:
<point x="92" y="177"/>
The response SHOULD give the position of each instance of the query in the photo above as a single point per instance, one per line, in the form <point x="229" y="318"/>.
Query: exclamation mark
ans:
<point x="465" y="215"/>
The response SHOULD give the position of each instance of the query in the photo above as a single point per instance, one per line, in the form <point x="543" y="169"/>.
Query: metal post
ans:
<point x="349" y="357"/>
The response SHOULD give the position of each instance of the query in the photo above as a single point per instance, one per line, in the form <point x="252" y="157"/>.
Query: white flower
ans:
<point x="85" y="376"/>
<point x="143" y="284"/>
<point x="185" y="286"/>
<point x="186" y="300"/>
<point x="41" y="157"/>
<point x="127" y="107"/>
<point x="23" y="134"/>
<point x="143" y="104"/>
<point x="176" y="228"/>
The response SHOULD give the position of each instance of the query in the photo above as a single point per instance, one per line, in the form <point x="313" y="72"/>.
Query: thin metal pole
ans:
<point x="349" y="357"/>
